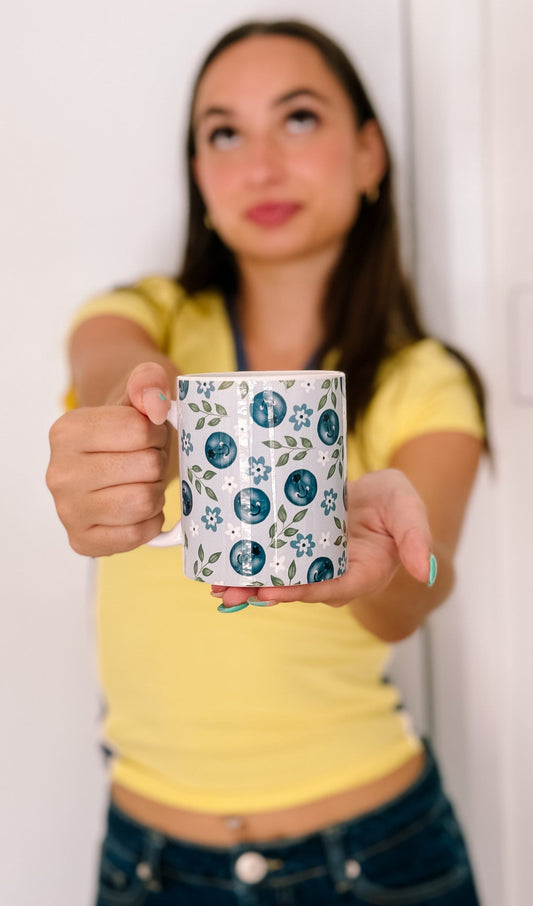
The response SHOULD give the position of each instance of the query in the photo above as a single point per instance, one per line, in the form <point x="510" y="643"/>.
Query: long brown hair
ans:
<point x="370" y="304"/>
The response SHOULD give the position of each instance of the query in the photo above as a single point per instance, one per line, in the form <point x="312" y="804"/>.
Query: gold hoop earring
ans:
<point x="208" y="223"/>
<point x="372" y="196"/>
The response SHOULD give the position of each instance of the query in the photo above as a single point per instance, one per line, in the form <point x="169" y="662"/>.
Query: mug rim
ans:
<point x="279" y="375"/>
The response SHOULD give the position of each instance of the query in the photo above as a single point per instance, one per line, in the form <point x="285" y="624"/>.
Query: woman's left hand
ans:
<point x="388" y="527"/>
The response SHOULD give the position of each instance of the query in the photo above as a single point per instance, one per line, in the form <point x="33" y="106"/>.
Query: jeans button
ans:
<point x="352" y="869"/>
<point x="144" y="871"/>
<point x="251" y="867"/>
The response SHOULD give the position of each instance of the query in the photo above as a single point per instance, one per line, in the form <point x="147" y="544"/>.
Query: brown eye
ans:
<point x="223" y="138"/>
<point x="302" y="120"/>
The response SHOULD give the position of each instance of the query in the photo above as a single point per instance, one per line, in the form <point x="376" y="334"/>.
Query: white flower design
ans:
<point x="277" y="563"/>
<point x="322" y="457"/>
<point x="234" y="531"/>
<point x="308" y="385"/>
<point x="229" y="484"/>
<point x="324" y="539"/>
<point x="194" y="528"/>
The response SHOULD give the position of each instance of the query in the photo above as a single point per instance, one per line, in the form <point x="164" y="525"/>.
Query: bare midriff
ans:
<point x="226" y="830"/>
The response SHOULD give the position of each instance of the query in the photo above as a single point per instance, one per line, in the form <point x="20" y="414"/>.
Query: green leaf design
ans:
<point x="272" y="530"/>
<point x="198" y="579"/>
<point x="340" y="469"/>
<point x="214" y="557"/>
<point x="292" y="442"/>
<point x="243" y="389"/>
<point x="273" y="444"/>
<point x="195" y="567"/>
<point x="302" y="454"/>
<point x="220" y="409"/>
<point x="214" y="421"/>
<point x="198" y="486"/>
<point x="189" y="474"/>
<point x="300" y="515"/>
<point x="201" y="553"/>
<point x="333" y="398"/>
<point x="308" y="444"/>
<point x="225" y="384"/>
<point x="207" y="572"/>
<point x="194" y="407"/>
<point x="292" y="570"/>
<point x="336" y="383"/>
<point x="275" y="581"/>
<point x="335" y="454"/>
<point x="337" y="522"/>
<point x="210" y="493"/>
<point x="207" y="407"/>
<point x="282" y="514"/>
<point x="208" y="475"/>
<point x="257" y="583"/>
<point x="326" y="384"/>
<point x="289" y="384"/>
<point x="332" y="469"/>
<point x="338" y="540"/>
<point x="196" y="469"/>
<point x="278" y="543"/>
<point x="289" y="532"/>
<point x="185" y="541"/>
<point x="283" y="460"/>
<point x="200" y="423"/>
<point x="323" y="401"/>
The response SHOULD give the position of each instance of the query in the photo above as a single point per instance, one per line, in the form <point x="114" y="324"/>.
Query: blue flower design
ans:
<point x="301" y="417"/>
<point x="186" y="444"/>
<point x="303" y="544"/>
<point x="206" y="387"/>
<point x="258" y="469"/>
<point x="342" y="564"/>
<point x="212" y="518"/>
<point x="329" y="502"/>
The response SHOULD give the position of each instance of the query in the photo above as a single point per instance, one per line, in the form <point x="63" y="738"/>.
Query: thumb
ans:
<point x="149" y="392"/>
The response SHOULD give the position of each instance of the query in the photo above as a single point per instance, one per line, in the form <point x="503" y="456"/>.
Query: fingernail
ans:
<point x="257" y="603"/>
<point x="234" y="609"/>
<point x="432" y="570"/>
<point x="217" y="594"/>
<point x="162" y="397"/>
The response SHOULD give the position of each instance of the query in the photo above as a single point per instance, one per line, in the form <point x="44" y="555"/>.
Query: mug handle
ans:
<point x="174" y="535"/>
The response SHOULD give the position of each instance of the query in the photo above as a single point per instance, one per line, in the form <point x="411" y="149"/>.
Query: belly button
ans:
<point x="234" y="822"/>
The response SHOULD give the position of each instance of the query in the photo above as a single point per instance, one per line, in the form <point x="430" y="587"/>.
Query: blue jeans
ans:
<point x="408" y="852"/>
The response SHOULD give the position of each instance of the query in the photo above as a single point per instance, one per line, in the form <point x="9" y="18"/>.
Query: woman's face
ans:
<point x="280" y="161"/>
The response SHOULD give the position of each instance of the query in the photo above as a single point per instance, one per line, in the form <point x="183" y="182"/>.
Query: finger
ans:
<point x="104" y="540"/>
<point x="100" y="429"/>
<point x="107" y="470"/>
<point x="124" y="505"/>
<point x="408" y="526"/>
<point x="149" y="392"/>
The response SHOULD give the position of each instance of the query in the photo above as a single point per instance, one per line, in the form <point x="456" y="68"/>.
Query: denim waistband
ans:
<point x="317" y="852"/>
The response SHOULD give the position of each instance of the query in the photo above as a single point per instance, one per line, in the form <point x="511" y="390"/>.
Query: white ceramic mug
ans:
<point x="263" y="477"/>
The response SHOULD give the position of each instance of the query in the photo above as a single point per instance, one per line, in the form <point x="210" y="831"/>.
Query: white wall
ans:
<point x="92" y="106"/>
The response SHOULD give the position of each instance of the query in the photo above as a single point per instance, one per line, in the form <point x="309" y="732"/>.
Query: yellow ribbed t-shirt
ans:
<point x="267" y="708"/>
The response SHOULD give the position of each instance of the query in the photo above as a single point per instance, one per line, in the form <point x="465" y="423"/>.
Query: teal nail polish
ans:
<point x="432" y="570"/>
<point x="257" y="603"/>
<point x="234" y="609"/>
<point x="162" y="397"/>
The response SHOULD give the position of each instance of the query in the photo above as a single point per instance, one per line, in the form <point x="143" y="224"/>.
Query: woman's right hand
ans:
<point x="108" y="467"/>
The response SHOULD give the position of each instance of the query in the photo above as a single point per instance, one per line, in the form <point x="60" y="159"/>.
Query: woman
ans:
<point x="265" y="758"/>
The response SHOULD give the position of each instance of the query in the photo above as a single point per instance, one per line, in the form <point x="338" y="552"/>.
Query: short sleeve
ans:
<point x="422" y="389"/>
<point x="151" y="303"/>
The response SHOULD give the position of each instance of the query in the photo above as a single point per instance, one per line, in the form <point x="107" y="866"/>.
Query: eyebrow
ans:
<point x="282" y="99"/>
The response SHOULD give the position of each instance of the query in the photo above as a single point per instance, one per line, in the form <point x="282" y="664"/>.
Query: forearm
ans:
<point x="402" y="607"/>
<point x="103" y="353"/>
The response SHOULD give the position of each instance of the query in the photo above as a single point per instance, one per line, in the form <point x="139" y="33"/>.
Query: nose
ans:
<point x="263" y="160"/>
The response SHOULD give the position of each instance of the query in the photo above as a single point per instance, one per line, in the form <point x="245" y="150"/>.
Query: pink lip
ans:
<point x="273" y="213"/>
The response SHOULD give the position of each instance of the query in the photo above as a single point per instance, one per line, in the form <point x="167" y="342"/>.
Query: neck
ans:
<point x="280" y="308"/>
